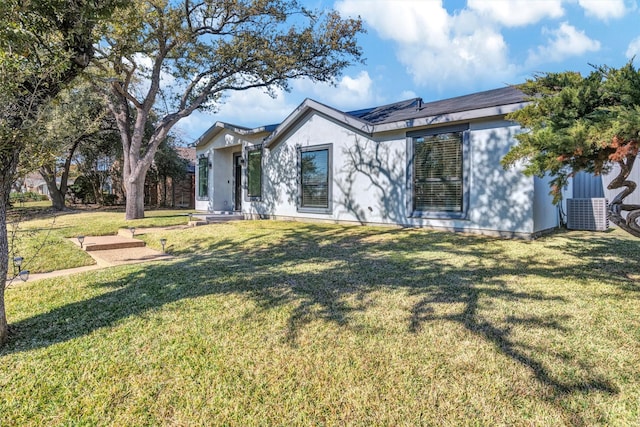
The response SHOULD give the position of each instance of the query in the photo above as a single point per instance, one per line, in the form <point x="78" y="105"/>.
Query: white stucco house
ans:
<point x="410" y="163"/>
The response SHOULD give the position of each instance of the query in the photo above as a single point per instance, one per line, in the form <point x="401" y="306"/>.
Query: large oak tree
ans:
<point x="583" y="123"/>
<point x="180" y="56"/>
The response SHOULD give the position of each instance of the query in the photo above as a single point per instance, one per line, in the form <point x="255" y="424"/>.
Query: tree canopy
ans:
<point x="582" y="123"/>
<point x="44" y="44"/>
<point x="77" y="116"/>
<point x="181" y="56"/>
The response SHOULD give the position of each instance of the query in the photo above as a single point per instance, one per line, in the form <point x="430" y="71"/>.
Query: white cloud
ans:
<point x="403" y="22"/>
<point x="407" y="94"/>
<point x="437" y="49"/>
<point x="247" y="108"/>
<point x="349" y="92"/>
<point x="564" y="42"/>
<point x="602" y="9"/>
<point x="516" y="13"/>
<point x="254" y="108"/>
<point x="634" y="48"/>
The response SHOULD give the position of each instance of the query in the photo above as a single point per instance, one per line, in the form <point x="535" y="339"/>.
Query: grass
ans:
<point x="279" y="323"/>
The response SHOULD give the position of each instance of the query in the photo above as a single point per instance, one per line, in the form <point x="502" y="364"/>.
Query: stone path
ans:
<point x="107" y="251"/>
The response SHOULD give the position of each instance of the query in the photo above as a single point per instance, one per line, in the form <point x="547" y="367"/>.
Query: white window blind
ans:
<point x="315" y="179"/>
<point x="438" y="184"/>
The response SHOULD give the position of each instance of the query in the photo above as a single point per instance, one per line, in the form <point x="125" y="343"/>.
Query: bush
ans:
<point x="81" y="189"/>
<point x="109" y="199"/>
<point x="29" y="196"/>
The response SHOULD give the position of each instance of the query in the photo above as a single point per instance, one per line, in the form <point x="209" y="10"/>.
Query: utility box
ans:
<point x="587" y="214"/>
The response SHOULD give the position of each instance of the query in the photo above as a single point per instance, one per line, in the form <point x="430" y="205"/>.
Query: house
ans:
<point x="34" y="183"/>
<point x="411" y="163"/>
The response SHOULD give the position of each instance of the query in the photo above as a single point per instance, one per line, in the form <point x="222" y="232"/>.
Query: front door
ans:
<point x="237" y="182"/>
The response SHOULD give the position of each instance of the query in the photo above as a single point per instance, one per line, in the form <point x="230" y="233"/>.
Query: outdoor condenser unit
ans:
<point x="587" y="214"/>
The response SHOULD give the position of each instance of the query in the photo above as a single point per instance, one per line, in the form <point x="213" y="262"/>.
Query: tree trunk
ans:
<point x="617" y="205"/>
<point x="164" y="191"/>
<point x="4" y="264"/>
<point x="7" y="173"/>
<point x="135" y="198"/>
<point x="57" y="200"/>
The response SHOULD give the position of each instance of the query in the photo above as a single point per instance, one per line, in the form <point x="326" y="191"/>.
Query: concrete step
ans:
<point x="213" y="217"/>
<point x="104" y="243"/>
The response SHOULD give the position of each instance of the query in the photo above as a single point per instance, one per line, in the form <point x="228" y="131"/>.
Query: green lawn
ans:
<point x="43" y="242"/>
<point x="280" y="323"/>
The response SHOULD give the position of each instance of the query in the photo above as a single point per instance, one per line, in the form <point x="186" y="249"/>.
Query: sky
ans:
<point x="440" y="49"/>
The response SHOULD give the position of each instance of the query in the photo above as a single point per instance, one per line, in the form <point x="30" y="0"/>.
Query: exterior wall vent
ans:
<point x="587" y="214"/>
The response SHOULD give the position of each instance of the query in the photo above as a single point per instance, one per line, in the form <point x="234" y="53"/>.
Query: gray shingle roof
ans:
<point x="415" y="108"/>
<point x="386" y="116"/>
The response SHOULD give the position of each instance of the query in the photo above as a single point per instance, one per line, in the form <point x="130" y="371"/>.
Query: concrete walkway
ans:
<point x="107" y="251"/>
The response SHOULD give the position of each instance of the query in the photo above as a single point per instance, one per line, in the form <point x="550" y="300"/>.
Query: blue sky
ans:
<point x="440" y="49"/>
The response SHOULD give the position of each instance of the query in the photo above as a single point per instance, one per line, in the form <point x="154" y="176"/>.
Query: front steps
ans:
<point x="122" y="248"/>
<point x="214" y="217"/>
<point x="105" y="243"/>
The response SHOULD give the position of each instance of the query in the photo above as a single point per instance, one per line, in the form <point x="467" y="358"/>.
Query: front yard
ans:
<point x="279" y="323"/>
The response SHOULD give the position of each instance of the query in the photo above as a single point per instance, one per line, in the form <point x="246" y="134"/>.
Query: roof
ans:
<point x="188" y="154"/>
<point x="241" y="130"/>
<point x="415" y="108"/>
<point x="410" y="113"/>
<point x="413" y="112"/>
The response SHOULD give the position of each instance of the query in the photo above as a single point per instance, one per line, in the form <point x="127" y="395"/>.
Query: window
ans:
<point x="437" y="173"/>
<point x="203" y="177"/>
<point x="315" y="179"/>
<point x="254" y="173"/>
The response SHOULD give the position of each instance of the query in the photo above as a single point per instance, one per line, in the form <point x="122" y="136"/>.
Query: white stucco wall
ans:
<point x="545" y="213"/>
<point x="220" y="150"/>
<point x="369" y="179"/>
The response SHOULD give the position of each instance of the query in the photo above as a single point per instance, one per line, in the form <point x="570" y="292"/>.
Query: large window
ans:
<point x="437" y="175"/>
<point x="203" y="177"/>
<point x="254" y="173"/>
<point x="315" y="179"/>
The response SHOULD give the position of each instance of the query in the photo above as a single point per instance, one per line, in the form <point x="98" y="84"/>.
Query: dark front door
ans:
<point x="237" y="182"/>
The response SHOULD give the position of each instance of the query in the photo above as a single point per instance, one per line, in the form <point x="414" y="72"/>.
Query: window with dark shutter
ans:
<point x="203" y="177"/>
<point x="254" y="173"/>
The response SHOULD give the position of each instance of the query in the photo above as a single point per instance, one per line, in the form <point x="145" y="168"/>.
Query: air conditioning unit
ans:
<point x="587" y="214"/>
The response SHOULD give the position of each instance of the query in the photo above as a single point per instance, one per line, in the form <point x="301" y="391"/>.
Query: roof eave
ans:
<point x="311" y="105"/>
<point x="218" y="127"/>
<point x="458" y="116"/>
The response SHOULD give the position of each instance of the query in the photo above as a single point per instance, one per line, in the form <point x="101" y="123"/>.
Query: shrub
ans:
<point x="29" y="196"/>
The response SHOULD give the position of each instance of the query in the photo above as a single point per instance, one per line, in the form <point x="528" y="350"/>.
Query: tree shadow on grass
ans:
<point x="321" y="270"/>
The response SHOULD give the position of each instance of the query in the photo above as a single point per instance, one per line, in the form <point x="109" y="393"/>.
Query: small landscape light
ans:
<point x="163" y="242"/>
<point x="17" y="261"/>
<point x="190" y="216"/>
<point x="80" y="240"/>
<point x="133" y="231"/>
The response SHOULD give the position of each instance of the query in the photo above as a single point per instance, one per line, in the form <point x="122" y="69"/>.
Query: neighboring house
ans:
<point x="411" y="163"/>
<point x="184" y="190"/>
<point x="173" y="192"/>
<point x="34" y="183"/>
